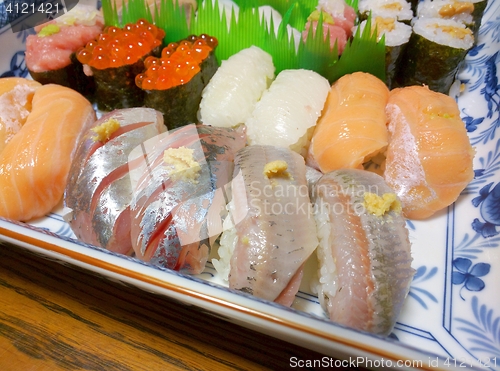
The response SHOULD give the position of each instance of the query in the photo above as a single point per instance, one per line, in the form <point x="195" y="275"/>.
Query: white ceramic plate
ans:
<point x="451" y="317"/>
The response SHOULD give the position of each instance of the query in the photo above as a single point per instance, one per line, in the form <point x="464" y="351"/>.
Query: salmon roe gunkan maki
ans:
<point x="174" y="82"/>
<point x="116" y="57"/>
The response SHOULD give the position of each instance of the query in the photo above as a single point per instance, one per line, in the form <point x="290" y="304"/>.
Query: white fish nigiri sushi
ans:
<point x="287" y="112"/>
<point x="271" y="231"/>
<point x="232" y="93"/>
<point x="364" y="252"/>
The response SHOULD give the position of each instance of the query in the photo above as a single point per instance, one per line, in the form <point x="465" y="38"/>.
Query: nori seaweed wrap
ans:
<point x="434" y="54"/>
<point x="71" y="76"/>
<point x="396" y="37"/>
<point x="50" y="54"/>
<point x="173" y="83"/>
<point x="116" y="58"/>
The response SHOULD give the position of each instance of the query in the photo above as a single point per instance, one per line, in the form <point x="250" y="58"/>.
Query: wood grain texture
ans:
<point x="55" y="317"/>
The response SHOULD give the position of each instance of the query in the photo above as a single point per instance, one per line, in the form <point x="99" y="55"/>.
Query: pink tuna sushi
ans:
<point x="50" y="54"/>
<point x="337" y="20"/>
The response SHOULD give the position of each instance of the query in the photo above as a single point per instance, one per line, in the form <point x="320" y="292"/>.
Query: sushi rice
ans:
<point x="397" y="34"/>
<point x="446" y="9"/>
<point x="398" y="9"/>
<point x="447" y="32"/>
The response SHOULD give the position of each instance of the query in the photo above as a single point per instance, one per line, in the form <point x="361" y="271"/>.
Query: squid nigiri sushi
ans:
<point x="99" y="189"/>
<point x="178" y="195"/>
<point x="364" y="253"/>
<point x="270" y="232"/>
<point x="429" y="157"/>
<point x="234" y="90"/>
<point x="288" y="111"/>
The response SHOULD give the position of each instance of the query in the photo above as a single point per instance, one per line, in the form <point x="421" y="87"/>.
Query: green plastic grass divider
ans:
<point x="363" y="53"/>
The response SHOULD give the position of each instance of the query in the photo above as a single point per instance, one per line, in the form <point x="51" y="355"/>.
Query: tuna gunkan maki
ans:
<point x="173" y="83"/>
<point x="50" y="54"/>
<point x="116" y="57"/>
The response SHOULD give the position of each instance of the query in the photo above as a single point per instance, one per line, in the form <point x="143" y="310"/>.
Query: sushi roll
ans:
<point x="230" y="97"/>
<point x="396" y="35"/>
<point x="434" y="53"/>
<point x="364" y="254"/>
<point x="400" y="10"/>
<point x="115" y="58"/>
<point x="173" y="83"/>
<point x="288" y="111"/>
<point x="270" y="231"/>
<point x="469" y="13"/>
<point x="51" y="53"/>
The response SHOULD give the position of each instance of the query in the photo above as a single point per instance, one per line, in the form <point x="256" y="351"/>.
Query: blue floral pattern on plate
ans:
<point x="453" y="307"/>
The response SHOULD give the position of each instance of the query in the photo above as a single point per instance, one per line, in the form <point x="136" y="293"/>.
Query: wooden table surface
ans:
<point x="54" y="317"/>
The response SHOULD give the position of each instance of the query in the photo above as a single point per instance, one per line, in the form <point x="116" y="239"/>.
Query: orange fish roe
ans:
<point x="178" y="64"/>
<point x="116" y="47"/>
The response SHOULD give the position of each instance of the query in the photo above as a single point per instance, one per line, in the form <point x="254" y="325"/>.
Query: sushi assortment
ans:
<point x="255" y="169"/>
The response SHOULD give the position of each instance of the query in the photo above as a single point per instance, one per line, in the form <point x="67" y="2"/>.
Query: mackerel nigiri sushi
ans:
<point x="99" y="189"/>
<point x="364" y="253"/>
<point x="270" y="232"/>
<point x="178" y="195"/>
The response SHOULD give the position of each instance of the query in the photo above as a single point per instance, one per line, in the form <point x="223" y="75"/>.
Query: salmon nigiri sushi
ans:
<point x="364" y="253"/>
<point x="16" y="94"/>
<point x="352" y="129"/>
<point x="35" y="164"/>
<point x="429" y="157"/>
